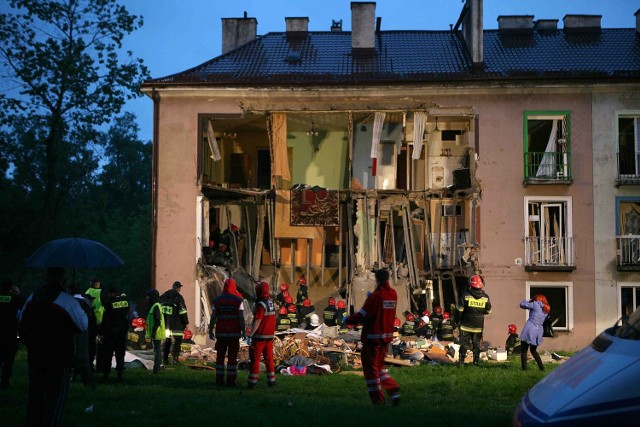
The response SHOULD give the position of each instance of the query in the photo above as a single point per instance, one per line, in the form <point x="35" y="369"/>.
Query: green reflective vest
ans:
<point x="161" y="331"/>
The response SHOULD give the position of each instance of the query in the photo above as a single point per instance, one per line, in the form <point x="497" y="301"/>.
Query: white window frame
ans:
<point x="568" y="220"/>
<point x="569" y="290"/>
<point x="619" y="294"/>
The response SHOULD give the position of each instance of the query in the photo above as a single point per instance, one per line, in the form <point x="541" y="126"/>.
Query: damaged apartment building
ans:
<point x="326" y="154"/>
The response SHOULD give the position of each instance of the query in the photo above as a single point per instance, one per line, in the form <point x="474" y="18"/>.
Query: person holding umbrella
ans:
<point x="47" y="325"/>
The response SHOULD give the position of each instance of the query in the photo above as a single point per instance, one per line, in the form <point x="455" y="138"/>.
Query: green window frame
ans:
<point x="547" y="146"/>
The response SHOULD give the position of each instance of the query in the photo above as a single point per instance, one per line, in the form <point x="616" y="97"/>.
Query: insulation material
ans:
<point x="213" y="142"/>
<point x="378" y="123"/>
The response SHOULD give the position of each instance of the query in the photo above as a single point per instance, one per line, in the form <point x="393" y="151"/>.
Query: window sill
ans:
<point x="547" y="181"/>
<point x="628" y="267"/>
<point x="549" y="267"/>
<point x="633" y="180"/>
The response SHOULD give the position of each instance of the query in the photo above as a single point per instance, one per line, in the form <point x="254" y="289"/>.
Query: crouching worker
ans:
<point x="262" y="333"/>
<point x="228" y="318"/>
<point x="377" y="316"/>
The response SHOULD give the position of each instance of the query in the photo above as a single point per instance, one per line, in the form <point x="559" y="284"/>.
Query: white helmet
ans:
<point x="315" y="320"/>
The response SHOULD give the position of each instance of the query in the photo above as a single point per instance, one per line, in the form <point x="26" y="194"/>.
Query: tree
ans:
<point x="63" y="79"/>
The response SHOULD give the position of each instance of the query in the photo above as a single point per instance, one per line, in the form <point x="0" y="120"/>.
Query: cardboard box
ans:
<point x="499" y="355"/>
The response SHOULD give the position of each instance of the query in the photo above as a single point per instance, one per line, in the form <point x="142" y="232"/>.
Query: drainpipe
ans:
<point x="154" y="185"/>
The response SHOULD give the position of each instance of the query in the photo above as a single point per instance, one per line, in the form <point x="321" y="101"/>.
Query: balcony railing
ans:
<point x="627" y="169"/>
<point x="549" y="252"/>
<point x="547" y="166"/>
<point x="628" y="251"/>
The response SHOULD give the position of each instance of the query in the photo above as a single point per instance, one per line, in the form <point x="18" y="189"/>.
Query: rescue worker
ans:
<point x="176" y="321"/>
<point x="447" y="327"/>
<point x="262" y="333"/>
<point x="227" y="316"/>
<point x="156" y="331"/>
<point x="377" y="316"/>
<point x="329" y="312"/>
<point x="282" y="321"/>
<point x="115" y="324"/>
<point x="303" y="292"/>
<point x="474" y="305"/>
<point x="436" y="322"/>
<point x="341" y="314"/>
<point x="304" y="313"/>
<point x="513" y="341"/>
<point x="11" y="303"/>
<point x="292" y="314"/>
<point x="47" y="325"/>
<point x="424" y="327"/>
<point x="283" y="294"/>
<point x="314" y="322"/>
<point x="396" y="326"/>
<point x="94" y="292"/>
<point x="409" y="326"/>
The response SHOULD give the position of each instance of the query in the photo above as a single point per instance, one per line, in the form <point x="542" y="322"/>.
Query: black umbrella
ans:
<point x="74" y="252"/>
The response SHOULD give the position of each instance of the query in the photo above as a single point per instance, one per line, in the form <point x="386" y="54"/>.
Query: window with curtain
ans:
<point x="547" y="146"/>
<point x="548" y="233"/>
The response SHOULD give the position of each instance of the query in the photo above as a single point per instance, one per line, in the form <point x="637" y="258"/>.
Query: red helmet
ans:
<point x="306" y="302"/>
<point x="512" y="329"/>
<point x="284" y="287"/>
<point x="286" y="294"/>
<point x="426" y="313"/>
<point x="476" y="282"/>
<point x="234" y="228"/>
<point x="288" y="299"/>
<point x="187" y="334"/>
<point x="396" y="323"/>
<point x="303" y="281"/>
<point x="332" y="301"/>
<point x="438" y="310"/>
<point x="410" y="317"/>
<point x="446" y="315"/>
<point x="139" y="322"/>
<point x="340" y="304"/>
<point x="283" y="310"/>
<point x="291" y="308"/>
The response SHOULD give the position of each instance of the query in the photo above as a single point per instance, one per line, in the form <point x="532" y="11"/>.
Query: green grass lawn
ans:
<point x="431" y="395"/>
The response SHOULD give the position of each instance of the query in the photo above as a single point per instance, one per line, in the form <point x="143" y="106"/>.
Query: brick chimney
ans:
<point x="363" y="25"/>
<point x="515" y="23"/>
<point x="472" y="31"/>
<point x="297" y="26"/>
<point x="582" y="23"/>
<point x="238" y="31"/>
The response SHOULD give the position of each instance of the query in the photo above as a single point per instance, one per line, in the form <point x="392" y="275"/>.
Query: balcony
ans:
<point x="628" y="252"/>
<point x="549" y="254"/>
<point x="627" y="171"/>
<point x="547" y="167"/>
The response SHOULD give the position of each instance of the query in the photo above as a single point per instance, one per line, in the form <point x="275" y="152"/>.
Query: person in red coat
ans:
<point x="228" y="318"/>
<point x="377" y="316"/>
<point x="262" y="333"/>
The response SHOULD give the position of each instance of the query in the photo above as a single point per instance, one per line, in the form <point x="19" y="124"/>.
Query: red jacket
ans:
<point x="377" y="315"/>
<point x="266" y="312"/>
<point x="227" y="310"/>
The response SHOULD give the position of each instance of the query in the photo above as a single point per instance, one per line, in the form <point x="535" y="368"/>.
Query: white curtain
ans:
<point x="378" y="123"/>
<point x="213" y="142"/>
<point x="548" y="164"/>
<point x="419" y="122"/>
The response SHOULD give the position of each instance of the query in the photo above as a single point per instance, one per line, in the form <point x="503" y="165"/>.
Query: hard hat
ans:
<point x="283" y="310"/>
<point x="187" y="334"/>
<point x="286" y="294"/>
<point x="426" y="313"/>
<point x="288" y="299"/>
<point x="476" y="282"/>
<point x="410" y="317"/>
<point x="332" y="301"/>
<point x="291" y="308"/>
<point x="446" y="315"/>
<point x="306" y="302"/>
<point x="302" y="281"/>
<point x="315" y="320"/>
<point x="138" y="322"/>
<point x="284" y="287"/>
<point x="438" y="310"/>
<point x="340" y="304"/>
<point x="234" y="228"/>
<point x="396" y="323"/>
<point x="512" y="329"/>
